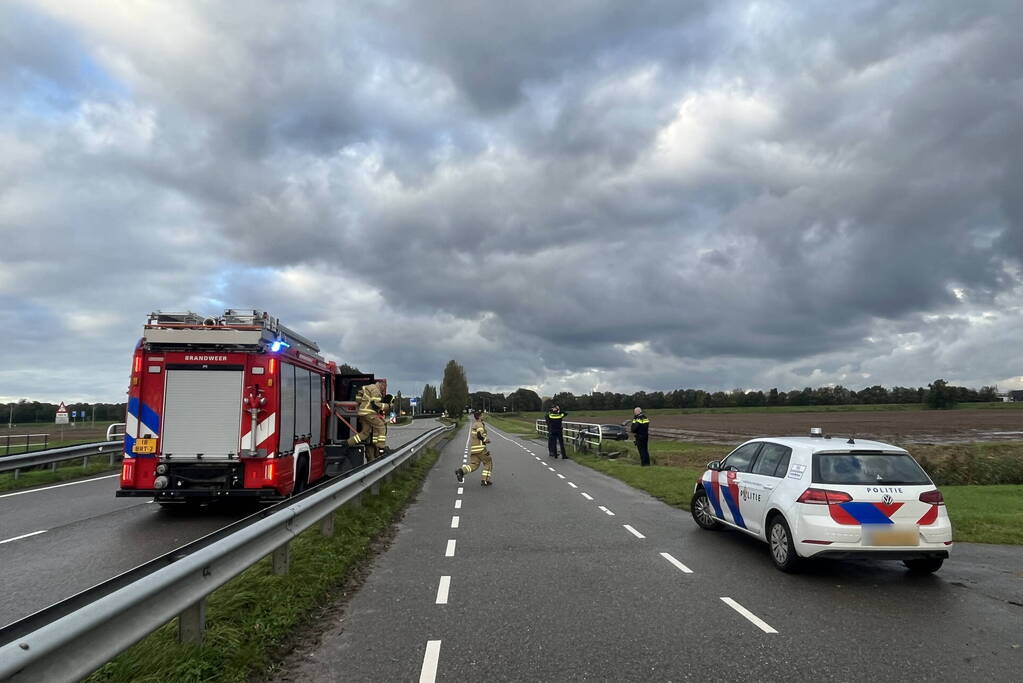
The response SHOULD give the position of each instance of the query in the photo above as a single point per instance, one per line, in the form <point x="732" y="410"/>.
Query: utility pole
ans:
<point x="10" y="418"/>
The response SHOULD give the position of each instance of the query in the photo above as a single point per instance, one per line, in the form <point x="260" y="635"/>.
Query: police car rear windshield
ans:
<point x="867" y="468"/>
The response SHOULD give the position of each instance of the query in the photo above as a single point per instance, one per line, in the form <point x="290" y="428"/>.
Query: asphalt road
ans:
<point x="58" y="540"/>
<point x="558" y="572"/>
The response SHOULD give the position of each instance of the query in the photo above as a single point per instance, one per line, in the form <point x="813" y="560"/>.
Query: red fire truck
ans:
<point x="233" y="406"/>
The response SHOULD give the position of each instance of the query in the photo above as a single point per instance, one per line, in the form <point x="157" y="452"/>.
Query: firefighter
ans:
<point x="478" y="452"/>
<point x="372" y="428"/>
<point x="555" y="419"/>
<point x="641" y="432"/>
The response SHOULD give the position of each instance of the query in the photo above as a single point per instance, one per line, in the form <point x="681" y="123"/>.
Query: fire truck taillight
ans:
<point x="128" y="471"/>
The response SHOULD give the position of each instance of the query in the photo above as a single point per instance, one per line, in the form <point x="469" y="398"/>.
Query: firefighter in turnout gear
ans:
<point x="372" y="428"/>
<point x="555" y="419"/>
<point x="478" y="452"/>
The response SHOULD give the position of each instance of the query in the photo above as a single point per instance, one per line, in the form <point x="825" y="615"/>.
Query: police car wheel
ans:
<point x="702" y="513"/>
<point x="783" y="551"/>
<point x="924" y="565"/>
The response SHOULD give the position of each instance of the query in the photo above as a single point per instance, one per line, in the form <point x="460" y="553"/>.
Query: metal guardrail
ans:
<point x="15" y="463"/>
<point x="26" y="438"/>
<point x="116" y="430"/>
<point x="582" y="435"/>
<point x="71" y="646"/>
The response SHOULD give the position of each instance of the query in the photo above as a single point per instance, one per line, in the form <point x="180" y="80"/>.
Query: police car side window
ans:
<point x="741" y="458"/>
<point x="771" y="456"/>
<point x="783" y="464"/>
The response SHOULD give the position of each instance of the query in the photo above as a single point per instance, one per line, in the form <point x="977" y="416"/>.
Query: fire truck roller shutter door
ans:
<point x="316" y="407"/>
<point x="287" y="439"/>
<point x="302" y="428"/>
<point x="202" y="413"/>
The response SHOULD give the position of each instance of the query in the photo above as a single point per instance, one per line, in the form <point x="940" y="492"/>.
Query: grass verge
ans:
<point x="65" y="471"/>
<point x="252" y="620"/>
<point x="512" y="425"/>
<point x="985" y="514"/>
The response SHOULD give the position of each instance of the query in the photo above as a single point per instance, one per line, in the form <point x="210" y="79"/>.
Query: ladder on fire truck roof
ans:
<point x="263" y="326"/>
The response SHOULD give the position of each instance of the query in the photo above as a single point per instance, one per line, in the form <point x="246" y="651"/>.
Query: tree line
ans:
<point x="938" y="394"/>
<point x="25" y="411"/>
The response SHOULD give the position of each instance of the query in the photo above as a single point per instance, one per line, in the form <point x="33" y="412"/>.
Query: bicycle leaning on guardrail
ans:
<point x="582" y="435"/>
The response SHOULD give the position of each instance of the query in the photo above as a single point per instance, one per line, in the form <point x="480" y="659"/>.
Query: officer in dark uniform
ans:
<point x="641" y="432"/>
<point x="555" y="418"/>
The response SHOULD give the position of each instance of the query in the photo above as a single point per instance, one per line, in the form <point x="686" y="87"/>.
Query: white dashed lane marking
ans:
<point x="753" y="619"/>
<point x="442" y="590"/>
<point x="560" y="475"/>
<point x="428" y="674"/>
<point x="585" y="495"/>
<point x="681" y="567"/>
<point x="454" y="522"/>
<point x="633" y="531"/>
<point x="601" y="507"/>
<point x="572" y="485"/>
<point x="18" y="538"/>
<point x="450" y="550"/>
<point x="458" y="503"/>
<point x="58" y="486"/>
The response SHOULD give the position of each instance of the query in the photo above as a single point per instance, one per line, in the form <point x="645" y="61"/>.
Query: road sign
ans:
<point x="62" y="416"/>
<point x="414" y="401"/>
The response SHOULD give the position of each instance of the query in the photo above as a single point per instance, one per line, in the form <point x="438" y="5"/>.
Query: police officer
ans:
<point x="372" y="428"/>
<point x="478" y="452"/>
<point x="555" y="419"/>
<point x="641" y="432"/>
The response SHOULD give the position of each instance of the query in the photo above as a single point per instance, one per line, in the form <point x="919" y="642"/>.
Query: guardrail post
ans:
<point x="53" y="467"/>
<point x="192" y="623"/>
<point x="375" y="488"/>
<point x="282" y="559"/>
<point x="16" y="473"/>
<point x="85" y="462"/>
<point x="327" y="526"/>
<point x="111" y="457"/>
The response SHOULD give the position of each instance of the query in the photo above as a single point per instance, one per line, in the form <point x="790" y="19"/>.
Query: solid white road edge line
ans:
<point x="57" y="486"/>
<point x="681" y="567"/>
<point x="458" y="503"/>
<point x="633" y="531"/>
<point x="430" y="660"/>
<point x="18" y="538"/>
<point x="454" y="522"/>
<point x="585" y="495"/>
<point x="450" y="551"/>
<point x="601" y="507"/>
<point x="754" y="619"/>
<point x="442" y="590"/>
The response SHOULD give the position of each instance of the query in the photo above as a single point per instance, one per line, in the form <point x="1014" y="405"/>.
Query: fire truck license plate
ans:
<point x="144" y="446"/>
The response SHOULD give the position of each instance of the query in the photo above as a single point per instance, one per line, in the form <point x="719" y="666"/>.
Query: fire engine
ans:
<point x="233" y="406"/>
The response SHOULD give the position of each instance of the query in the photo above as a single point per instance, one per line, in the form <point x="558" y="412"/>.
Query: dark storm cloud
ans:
<point x="568" y="195"/>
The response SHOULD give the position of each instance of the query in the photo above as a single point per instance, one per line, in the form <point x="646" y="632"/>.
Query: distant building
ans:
<point x="1016" y="395"/>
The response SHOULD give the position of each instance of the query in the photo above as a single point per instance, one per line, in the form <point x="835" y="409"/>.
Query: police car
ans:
<point x="820" y="496"/>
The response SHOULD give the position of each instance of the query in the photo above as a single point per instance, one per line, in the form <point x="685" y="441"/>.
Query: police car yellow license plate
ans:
<point x="144" y="446"/>
<point x="898" y="536"/>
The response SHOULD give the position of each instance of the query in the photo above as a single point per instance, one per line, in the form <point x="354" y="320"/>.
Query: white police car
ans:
<point x="820" y="496"/>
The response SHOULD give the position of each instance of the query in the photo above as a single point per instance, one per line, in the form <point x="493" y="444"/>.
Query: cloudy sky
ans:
<point x="561" y="195"/>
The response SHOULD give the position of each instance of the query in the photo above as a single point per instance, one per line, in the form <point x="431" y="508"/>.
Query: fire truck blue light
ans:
<point x="278" y="345"/>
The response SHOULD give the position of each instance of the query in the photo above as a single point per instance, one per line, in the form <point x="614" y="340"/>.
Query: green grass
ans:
<point x="985" y="514"/>
<point x="65" y="471"/>
<point x="254" y="619"/>
<point x="512" y="425"/>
